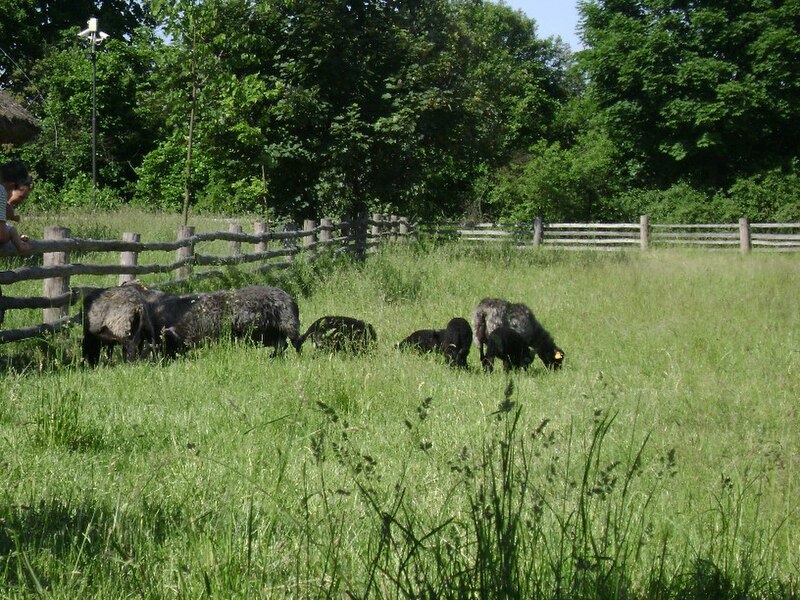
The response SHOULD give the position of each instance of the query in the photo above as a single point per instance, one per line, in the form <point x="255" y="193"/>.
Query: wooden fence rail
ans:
<point x="359" y="236"/>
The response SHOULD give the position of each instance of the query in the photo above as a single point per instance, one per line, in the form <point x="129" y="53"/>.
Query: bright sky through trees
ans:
<point x="552" y="18"/>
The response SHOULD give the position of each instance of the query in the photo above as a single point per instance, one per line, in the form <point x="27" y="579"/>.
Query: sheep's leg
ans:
<point x="280" y="347"/>
<point x="91" y="349"/>
<point x="130" y="350"/>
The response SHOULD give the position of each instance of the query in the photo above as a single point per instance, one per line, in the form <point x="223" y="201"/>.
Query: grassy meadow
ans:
<point x="661" y="462"/>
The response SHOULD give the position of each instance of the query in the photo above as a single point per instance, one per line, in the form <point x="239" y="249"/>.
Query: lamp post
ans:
<point x="95" y="36"/>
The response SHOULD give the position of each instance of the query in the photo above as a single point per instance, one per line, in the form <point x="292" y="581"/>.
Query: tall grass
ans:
<point x="661" y="462"/>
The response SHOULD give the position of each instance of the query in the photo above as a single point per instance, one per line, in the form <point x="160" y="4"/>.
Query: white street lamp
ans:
<point x="95" y="37"/>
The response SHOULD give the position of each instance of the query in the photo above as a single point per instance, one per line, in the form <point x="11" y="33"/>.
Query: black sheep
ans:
<point x="187" y="321"/>
<point x="423" y="340"/>
<point x="340" y="334"/>
<point x="456" y="341"/>
<point x="453" y="341"/>
<point x="493" y="313"/>
<point x="510" y="347"/>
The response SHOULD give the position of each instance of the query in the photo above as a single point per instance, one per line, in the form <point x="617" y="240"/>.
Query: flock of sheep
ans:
<point x="149" y="322"/>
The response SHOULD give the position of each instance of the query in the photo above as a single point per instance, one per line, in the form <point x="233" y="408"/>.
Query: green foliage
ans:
<point x="29" y="28"/>
<point x="697" y="92"/>
<point x="679" y="203"/>
<point x="75" y="193"/>
<point x="558" y="183"/>
<point x="773" y="196"/>
<point x="447" y="108"/>
<point x="160" y="182"/>
<point x="768" y="197"/>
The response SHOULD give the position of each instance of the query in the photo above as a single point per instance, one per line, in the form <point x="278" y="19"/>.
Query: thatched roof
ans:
<point x="17" y="125"/>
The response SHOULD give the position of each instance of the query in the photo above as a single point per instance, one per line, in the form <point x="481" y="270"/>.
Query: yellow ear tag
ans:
<point x="559" y="355"/>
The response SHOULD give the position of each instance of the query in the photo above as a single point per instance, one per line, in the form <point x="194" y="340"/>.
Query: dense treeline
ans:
<point x="683" y="110"/>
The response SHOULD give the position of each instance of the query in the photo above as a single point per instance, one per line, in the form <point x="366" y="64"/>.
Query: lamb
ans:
<point x="340" y="334"/>
<point x="423" y="340"/>
<point x="510" y="347"/>
<point x="117" y="315"/>
<point x="456" y="340"/>
<point x="260" y="313"/>
<point x="453" y="341"/>
<point x="493" y="313"/>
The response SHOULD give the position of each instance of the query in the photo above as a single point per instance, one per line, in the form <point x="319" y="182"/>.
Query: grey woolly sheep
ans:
<point x="183" y="322"/>
<point x="340" y="334"/>
<point x="266" y="314"/>
<point x="117" y="315"/>
<point x="509" y="346"/>
<point x="493" y="313"/>
<point x="261" y="313"/>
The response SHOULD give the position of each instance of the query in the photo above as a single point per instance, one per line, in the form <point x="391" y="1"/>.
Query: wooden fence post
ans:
<point x="644" y="232"/>
<point x="128" y="258"/>
<point x="394" y="224"/>
<point x="184" y="252"/>
<point x="309" y="225"/>
<point x="403" y="227"/>
<point x="55" y="286"/>
<point x="345" y="231"/>
<point x="745" y="242"/>
<point x="375" y="232"/>
<point x="235" y="246"/>
<point x="358" y="231"/>
<point x="260" y="227"/>
<point x="290" y="242"/>
<point x="538" y="231"/>
<point x="326" y="232"/>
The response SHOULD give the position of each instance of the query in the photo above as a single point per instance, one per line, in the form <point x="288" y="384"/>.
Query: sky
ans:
<point x="553" y="17"/>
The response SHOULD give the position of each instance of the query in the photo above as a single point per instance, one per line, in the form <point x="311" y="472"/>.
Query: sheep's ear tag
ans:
<point x="559" y="355"/>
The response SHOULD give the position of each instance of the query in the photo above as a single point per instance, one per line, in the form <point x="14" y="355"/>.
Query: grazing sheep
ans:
<point x="493" y="313"/>
<point x="456" y="341"/>
<point x="183" y="322"/>
<point x="510" y="347"/>
<point x="261" y="313"/>
<point x="266" y="314"/>
<point x="117" y="315"/>
<point x="340" y="334"/>
<point x="453" y="342"/>
<point x="423" y="340"/>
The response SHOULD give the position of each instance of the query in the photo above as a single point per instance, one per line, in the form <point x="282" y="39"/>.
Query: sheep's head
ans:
<point x="552" y="358"/>
<point x="556" y="359"/>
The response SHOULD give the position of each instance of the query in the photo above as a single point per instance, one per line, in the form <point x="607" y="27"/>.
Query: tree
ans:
<point x="701" y="91"/>
<point x="30" y="28"/>
<point x="60" y="89"/>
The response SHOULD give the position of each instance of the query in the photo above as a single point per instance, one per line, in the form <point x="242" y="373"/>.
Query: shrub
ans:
<point x="770" y="196"/>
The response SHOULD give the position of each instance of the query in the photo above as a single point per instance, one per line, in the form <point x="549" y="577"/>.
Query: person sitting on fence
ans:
<point x="13" y="176"/>
<point x="16" y="198"/>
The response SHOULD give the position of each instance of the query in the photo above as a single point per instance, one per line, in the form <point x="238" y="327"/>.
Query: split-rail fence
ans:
<point x="270" y="250"/>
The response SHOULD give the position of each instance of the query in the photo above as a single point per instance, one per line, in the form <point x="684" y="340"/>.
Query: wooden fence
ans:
<point x="743" y="235"/>
<point x="270" y="250"/>
<point x="277" y="249"/>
